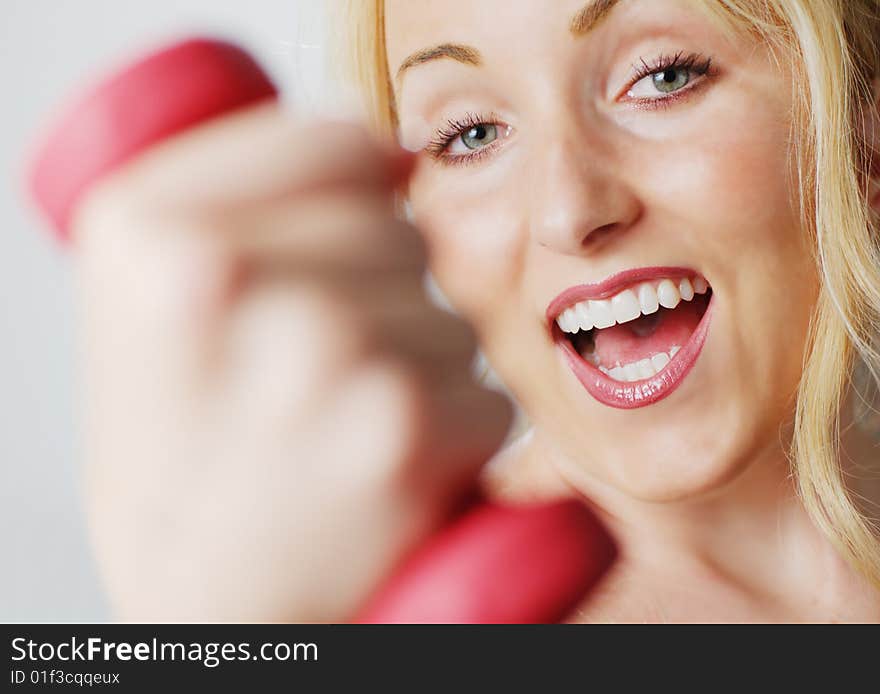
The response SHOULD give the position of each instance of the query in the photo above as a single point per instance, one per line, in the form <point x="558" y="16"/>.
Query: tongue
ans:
<point x="648" y="335"/>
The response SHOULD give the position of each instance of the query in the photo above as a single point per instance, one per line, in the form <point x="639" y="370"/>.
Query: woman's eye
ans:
<point x="665" y="82"/>
<point x="476" y="137"/>
<point x="464" y="140"/>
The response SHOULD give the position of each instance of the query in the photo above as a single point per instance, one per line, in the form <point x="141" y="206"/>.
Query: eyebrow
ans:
<point x="463" y="54"/>
<point x="590" y="15"/>
<point x="584" y="21"/>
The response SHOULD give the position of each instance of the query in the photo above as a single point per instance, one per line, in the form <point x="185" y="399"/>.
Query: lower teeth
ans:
<point x="640" y="370"/>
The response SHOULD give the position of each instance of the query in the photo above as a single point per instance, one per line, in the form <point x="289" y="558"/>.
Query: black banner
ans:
<point x="134" y="658"/>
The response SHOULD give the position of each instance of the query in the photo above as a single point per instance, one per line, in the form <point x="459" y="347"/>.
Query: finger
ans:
<point x="337" y="323"/>
<point x="411" y="326"/>
<point x="326" y="230"/>
<point x="258" y="154"/>
<point x="464" y="426"/>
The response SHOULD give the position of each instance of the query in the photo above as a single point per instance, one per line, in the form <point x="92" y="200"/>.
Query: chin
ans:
<point x="675" y="465"/>
<point x="686" y="448"/>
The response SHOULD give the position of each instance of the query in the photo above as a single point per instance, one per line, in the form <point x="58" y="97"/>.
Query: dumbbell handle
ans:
<point x="492" y="563"/>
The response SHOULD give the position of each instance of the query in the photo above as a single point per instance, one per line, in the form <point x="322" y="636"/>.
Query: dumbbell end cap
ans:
<point x="157" y="96"/>
<point x="499" y="564"/>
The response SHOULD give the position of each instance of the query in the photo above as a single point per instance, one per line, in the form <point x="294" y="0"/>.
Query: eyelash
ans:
<point x="694" y="63"/>
<point x="453" y="128"/>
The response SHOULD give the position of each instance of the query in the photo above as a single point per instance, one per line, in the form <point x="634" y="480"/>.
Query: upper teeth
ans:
<point x="644" y="299"/>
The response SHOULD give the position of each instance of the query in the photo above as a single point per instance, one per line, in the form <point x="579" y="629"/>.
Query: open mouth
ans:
<point x="633" y="338"/>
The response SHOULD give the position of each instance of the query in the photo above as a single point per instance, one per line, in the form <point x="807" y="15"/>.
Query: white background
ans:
<point x="47" y="48"/>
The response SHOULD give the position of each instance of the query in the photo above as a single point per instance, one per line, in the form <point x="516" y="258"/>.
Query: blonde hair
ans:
<point x="832" y="46"/>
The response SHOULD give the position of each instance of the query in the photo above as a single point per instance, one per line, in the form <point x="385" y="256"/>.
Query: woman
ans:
<point x="657" y="215"/>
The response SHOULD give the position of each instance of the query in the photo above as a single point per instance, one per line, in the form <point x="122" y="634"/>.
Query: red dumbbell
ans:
<point x="491" y="563"/>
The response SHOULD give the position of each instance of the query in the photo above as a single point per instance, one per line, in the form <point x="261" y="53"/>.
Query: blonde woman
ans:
<point x="656" y="215"/>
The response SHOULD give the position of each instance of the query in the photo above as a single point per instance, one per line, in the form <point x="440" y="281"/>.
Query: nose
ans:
<point x="578" y="196"/>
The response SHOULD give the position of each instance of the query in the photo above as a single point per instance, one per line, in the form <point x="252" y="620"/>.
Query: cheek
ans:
<point x="733" y="192"/>
<point x="762" y="257"/>
<point x="732" y="188"/>
<point x="730" y="182"/>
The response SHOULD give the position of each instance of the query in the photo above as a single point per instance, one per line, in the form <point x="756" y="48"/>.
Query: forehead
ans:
<point x="494" y="25"/>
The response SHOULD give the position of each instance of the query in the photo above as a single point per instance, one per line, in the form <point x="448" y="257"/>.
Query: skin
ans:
<point x="275" y="413"/>
<point x="584" y="182"/>
<point x="217" y="465"/>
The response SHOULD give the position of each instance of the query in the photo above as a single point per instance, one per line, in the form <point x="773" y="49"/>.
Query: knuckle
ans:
<point x="330" y="146"/>
<point x="404" y="399"/>
<point x="459" y="333"/>
<point x="109" y="208"/>
<point x="438" y="437"/>
<point x="498" y="412"/>
<point x="344" y="336"/>
<point x="165" y="265"/>
<point x="408" y="242"/>
<point x="341" y="135"/>
<point x="383" y="238"/>
<point x="354" y="211"/>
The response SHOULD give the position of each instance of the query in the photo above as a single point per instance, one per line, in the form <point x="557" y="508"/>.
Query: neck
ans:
<point x="752" y="532"/>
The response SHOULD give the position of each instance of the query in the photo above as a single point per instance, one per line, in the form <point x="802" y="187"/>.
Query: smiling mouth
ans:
<point x="638" y="335"/>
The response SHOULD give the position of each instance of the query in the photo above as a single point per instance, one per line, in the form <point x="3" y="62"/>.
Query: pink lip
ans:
<point x="608" y="391"/>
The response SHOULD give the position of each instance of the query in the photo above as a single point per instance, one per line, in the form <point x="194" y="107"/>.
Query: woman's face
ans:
<point x="607" y="167"/>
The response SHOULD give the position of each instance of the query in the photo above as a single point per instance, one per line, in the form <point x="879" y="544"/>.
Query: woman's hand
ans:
<point x="275" y="413"/>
